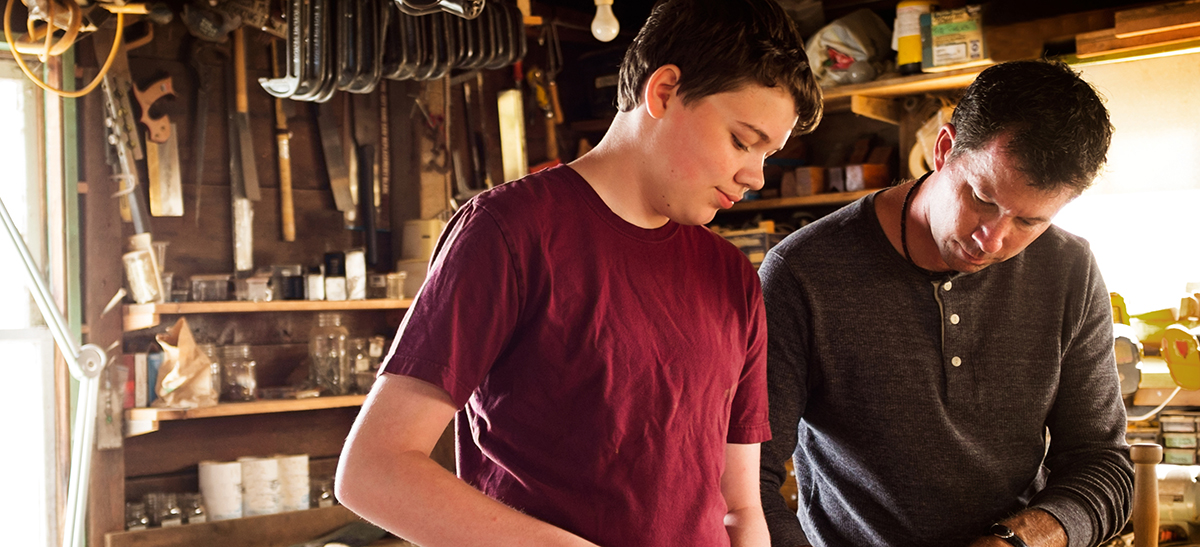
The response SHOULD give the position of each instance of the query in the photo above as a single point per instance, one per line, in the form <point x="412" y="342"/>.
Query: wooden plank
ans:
<point x="279" y="530"/>
<point x="103" y="276"/>
<point x="272" y="306"/>
<point x="144" y="316"/>
<point x="178" y="446"/>
<point x="882" y="109"/>
<point x="1106" y="42"/>
<point x="1156" y="385"/>
<point x="907" y="85"/>
<point x="1156" y="19"/>
<point x="242" y="409"/>
<point x="838" y="198"/>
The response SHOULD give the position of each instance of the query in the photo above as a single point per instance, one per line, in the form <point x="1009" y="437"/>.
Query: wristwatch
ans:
<point x="1005" y="533"/>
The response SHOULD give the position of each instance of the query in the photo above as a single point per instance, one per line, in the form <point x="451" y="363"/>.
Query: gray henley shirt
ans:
<point x="921" y="409"/>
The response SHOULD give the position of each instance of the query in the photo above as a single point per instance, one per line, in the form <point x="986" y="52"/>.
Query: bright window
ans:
<point x="1141" y="216"/>
<point x="27" y="508"/>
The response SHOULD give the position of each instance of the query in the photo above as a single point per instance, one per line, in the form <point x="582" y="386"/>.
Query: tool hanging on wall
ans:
<point x="335" y="160"/>
<point x="205" y="56"/>
<point x="123" y="135"/>
<point x="366" y="133"/>
<point x="241" y="206"/>
<point x="287" y="213"/>
<point x="475" y="143"/>
<point x="242" y="119"/>
<point x="553" y="66"/>
<point x="333" y="44"/>
<point x="162" y="152"/>
<point x="541" y="93"/>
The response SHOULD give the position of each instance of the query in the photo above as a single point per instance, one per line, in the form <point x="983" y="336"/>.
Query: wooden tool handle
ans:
<point x="551" y="139"/>
<point x="287" y="213"/>
<point x="556" y="108"/>
<point x="239" y="69"/>
<point x="1145" y="458"/>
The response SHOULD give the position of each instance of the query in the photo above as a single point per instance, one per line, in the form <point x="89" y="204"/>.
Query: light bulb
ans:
<point x="605" y="26"/>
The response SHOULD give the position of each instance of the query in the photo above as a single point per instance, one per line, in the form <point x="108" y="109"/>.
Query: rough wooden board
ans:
<point x="1106" y="42"/>
<point x="280" y="530"/>
<point x="178" y="446"/>
<point x="1156" y="19"/>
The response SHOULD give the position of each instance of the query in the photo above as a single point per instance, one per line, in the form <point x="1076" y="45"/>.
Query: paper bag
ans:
<point x="185" y="377"/>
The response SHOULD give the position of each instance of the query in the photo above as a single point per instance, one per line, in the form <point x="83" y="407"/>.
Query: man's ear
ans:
<point x="943" y="146"/>
<point x="661" y="89"/>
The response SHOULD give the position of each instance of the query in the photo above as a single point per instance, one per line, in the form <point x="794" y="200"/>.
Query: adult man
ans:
<point x="607" y="352"/>
<point x="940" y="356"/>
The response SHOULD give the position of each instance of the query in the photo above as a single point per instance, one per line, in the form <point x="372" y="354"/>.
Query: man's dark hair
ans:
<point x="1058" y="125"/>
<point x="719" y="46"/>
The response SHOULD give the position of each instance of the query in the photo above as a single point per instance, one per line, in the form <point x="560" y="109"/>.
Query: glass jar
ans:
<point x="329" y="362"/>
<point x="192" y="505"/>
<point x="239" y="375"/>
<point x="215" y="369"/>
<point x="135" y="516"/>
<point x="322" y="493"/>
<point x="163" y="509"/>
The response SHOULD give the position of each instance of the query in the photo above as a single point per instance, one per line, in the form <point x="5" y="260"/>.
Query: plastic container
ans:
<point x="210" y="288"/>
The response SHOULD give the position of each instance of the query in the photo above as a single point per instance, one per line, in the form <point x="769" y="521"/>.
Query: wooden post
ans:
<point x="1145" y="458"/>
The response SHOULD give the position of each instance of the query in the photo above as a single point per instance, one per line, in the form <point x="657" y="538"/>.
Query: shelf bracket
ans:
<point x="884" y="110"/>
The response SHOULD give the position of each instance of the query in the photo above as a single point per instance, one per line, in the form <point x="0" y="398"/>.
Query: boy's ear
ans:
<point x="661" y="89"/>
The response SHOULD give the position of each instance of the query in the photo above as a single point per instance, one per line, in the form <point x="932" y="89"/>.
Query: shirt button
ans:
<point x="956" y="361"/>
<point x="947" y="286"/>
<point x="954" y="319"/>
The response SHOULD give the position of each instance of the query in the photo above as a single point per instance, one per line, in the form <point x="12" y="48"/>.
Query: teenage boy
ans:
<point x="601" y="351"/>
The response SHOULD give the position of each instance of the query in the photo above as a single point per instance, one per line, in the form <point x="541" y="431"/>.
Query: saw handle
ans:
<point x="157" y="129"/>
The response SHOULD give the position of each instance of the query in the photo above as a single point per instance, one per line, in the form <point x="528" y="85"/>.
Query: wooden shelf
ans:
<point x="141" y="316"/>
<point x="837" y="198"/>
<point x="907" y="85"/>
<point x="146" y="420"/>
<point x="261" y="531"/>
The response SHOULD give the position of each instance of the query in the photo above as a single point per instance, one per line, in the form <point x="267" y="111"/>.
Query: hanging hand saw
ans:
<point x="162" y="152"/>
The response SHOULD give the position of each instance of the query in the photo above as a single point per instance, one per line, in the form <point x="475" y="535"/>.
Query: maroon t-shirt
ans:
<point x="602" y="367"/>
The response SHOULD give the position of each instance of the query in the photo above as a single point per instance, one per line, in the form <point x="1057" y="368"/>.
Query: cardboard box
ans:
<point x="953" y="39"/>
<point x="803" y="181"/>
<point x="835" y="179"/>
<point x="866" y="176"/>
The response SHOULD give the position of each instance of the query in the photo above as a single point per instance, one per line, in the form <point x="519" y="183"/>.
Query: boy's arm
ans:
<point x="386" y="476"/>
<point x="739" y="484"/>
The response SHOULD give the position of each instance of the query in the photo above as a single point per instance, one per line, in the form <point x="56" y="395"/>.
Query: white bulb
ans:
<point x="605" y="26"/>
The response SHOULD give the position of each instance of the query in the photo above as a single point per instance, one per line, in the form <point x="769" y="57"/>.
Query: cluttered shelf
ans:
<point x="834" y="198"/>
<point x="141" y="316"/>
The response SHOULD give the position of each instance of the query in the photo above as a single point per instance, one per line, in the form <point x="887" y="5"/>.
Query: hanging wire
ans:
<point x="50" y="47"/>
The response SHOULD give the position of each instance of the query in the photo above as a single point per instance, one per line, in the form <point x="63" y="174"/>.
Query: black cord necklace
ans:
<point x="904" y="219"/>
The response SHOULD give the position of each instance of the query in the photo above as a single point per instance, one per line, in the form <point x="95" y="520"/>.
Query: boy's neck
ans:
<point x="617" y="170"/>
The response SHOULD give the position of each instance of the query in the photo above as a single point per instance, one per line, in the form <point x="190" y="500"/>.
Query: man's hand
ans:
<point x="1035" y="526"/>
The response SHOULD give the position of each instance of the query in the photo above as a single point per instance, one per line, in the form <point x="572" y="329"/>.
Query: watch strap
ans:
<point x="1007" y="534"/>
